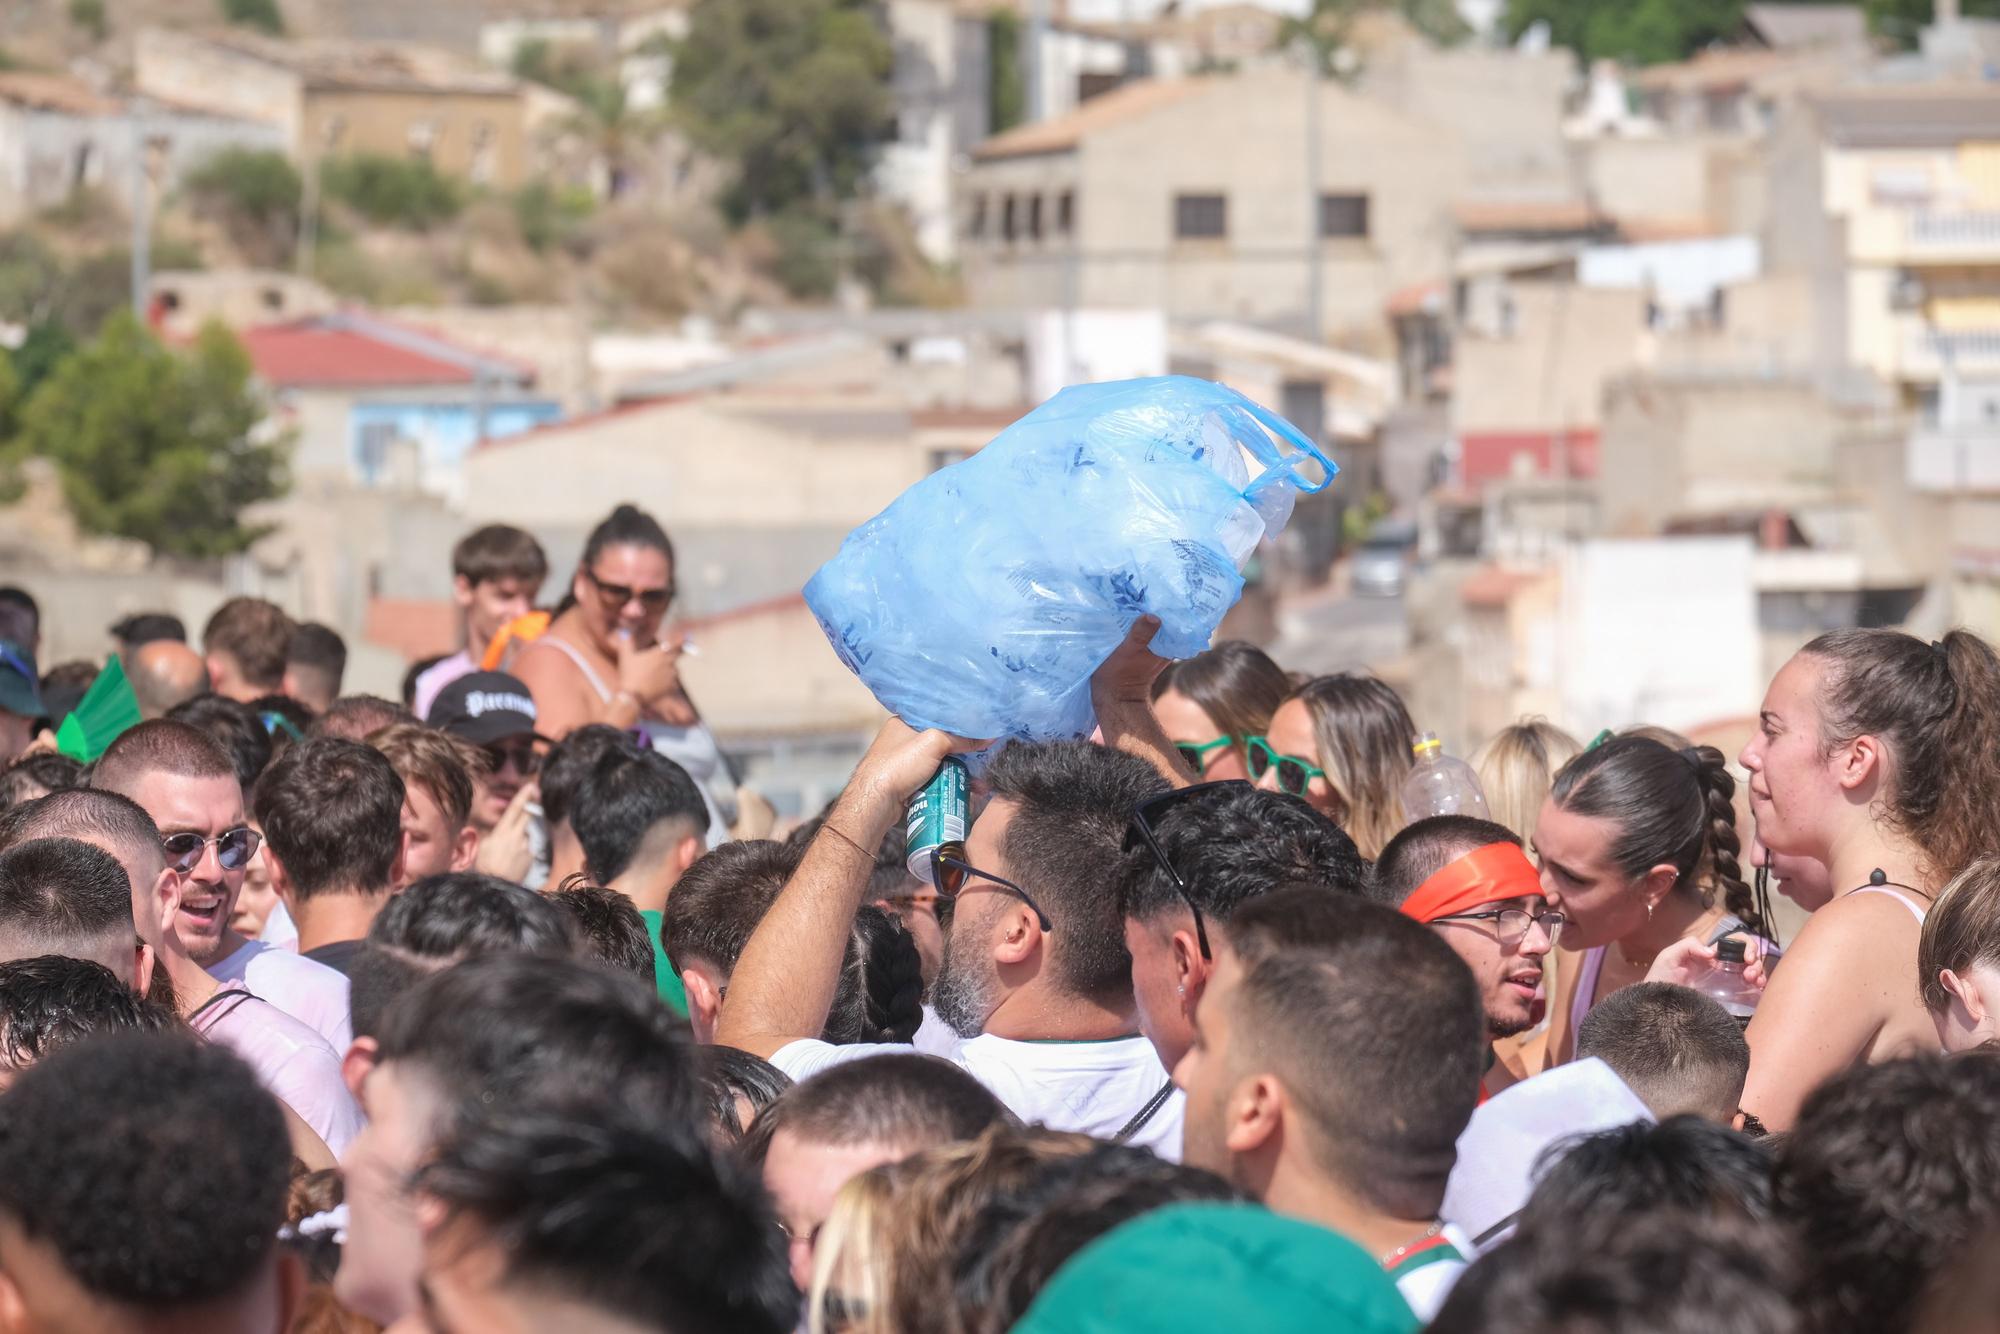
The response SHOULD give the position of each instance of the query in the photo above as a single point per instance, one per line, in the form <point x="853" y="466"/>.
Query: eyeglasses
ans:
<point x="949" y="875"/>
<point x="1197" y="754"/>
<point x="233" y="849"/>
<point x="522" y="755"/>
<point x="614" y="596"/>
<point x="1294" y="774"/>
<point x="1513" y="923"/>
<point x="1140" y="831"/>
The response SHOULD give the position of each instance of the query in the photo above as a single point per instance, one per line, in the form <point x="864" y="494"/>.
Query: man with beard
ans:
<point x="1036" y="982"/>
<point x="1470" y="881"/>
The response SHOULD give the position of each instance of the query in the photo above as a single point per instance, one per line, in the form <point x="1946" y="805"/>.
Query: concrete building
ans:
<point x="1153" y="196"/>
<point x="381" y="404"/>
<point x="182" y="300"/>
<point x="59" y="137"/>
<point x="333" y="98"/>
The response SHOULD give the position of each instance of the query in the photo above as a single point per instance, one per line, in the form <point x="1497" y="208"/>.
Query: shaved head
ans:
<point x="164" y="674"/>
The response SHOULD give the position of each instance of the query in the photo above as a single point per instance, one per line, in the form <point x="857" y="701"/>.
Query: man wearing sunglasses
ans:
<point x="1035" y="978"/>
<point x="1192" y="857"/>
<point x="494" y="712"/>
<point x="1471" y="882"/>
<point x="291" y="1060"/>
<point x="187" y="783"/>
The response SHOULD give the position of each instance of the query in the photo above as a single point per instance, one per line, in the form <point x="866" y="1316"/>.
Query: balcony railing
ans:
<point x="1975" y="231"/>
<point x="1927" y="350"/>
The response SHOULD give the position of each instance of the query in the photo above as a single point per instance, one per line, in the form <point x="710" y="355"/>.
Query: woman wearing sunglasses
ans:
<point x="603" y="661"/>
<point x="1213" y="703"/>
<point x="1342" y="743"/>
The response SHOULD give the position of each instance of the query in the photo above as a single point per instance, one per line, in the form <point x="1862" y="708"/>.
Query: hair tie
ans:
<point x="1692" y="754"/>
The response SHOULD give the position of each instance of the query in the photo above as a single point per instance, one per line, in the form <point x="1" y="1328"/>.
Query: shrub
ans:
<point x="393" y="192"/>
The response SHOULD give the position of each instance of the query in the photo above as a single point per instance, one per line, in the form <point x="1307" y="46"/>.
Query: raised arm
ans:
<point x="783" y="985"/>
<point x="1121" y="691"/>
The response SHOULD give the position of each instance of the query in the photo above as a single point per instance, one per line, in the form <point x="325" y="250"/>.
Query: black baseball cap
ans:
<point x="484" y="707"/>
<point x="20" y="683"/>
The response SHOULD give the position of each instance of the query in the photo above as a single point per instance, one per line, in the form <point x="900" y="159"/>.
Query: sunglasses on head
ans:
<point x="615" y="596"/>
<point x="949" y="874"/>
<point x="1295" y="773"/>
<point x="233" y="849"/>
<point x="1142" y="832"/>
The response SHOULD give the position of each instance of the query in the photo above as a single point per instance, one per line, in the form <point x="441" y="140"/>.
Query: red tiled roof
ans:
<point x="306" y="354"/>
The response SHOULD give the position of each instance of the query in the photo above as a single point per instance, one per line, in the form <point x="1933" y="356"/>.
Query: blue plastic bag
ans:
<point x="982" y="600"/>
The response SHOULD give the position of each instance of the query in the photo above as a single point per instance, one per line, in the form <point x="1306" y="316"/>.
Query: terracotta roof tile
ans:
<point x="1065" y="132"/>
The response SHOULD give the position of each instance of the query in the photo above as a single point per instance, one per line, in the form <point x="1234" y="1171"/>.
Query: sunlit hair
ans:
<point x="1363" y="734"/>
<point x="1961" y="929"/>
<point x="1516" y="766"/>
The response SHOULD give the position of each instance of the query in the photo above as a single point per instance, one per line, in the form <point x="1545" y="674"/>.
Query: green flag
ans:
<point x="104" y="713"/>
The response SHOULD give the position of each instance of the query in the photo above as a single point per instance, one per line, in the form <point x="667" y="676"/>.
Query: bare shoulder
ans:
<point x="1852" y="928"/>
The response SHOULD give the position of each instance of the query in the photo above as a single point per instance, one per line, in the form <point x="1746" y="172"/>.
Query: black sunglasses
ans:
<point x="233" y="849"/>
<point x="523" y="754"/>
<point x="949" y="874"/>
<point x="617" y="595"/>
<point x="1141" y="832"/>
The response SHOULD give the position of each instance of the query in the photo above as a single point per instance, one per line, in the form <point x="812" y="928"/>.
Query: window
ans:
<point x="1034" y="217"/>
<point x="1009" y="218"/>
<point x="485" y="154"/>
<point x="423" y="136"/>
<point x="975" y="226"/>
<point x="1201" y="217"/>
<point x="1066" y="212"/>
<point x="1343" y="215"/>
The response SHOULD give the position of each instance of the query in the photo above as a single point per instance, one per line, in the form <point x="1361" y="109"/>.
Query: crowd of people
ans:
<point x="502" y="1007"/>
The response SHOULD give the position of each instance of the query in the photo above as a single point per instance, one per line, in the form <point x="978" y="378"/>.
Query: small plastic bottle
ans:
<point x="1725" y="983"/>
<point x="1440" y="784"/>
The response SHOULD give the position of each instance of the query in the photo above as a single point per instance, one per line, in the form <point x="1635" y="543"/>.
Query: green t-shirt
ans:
<point x="671" y="989"/>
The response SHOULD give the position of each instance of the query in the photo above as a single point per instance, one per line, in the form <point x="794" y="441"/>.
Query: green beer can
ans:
<point x="937" y="818"/>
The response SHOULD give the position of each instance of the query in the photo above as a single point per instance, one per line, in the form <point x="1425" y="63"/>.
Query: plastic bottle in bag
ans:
<point x="1440" y="784"/>
<point x="981" y="601"/>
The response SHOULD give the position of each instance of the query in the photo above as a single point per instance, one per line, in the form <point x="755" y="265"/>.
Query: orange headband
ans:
<point x="1492" y="874"/>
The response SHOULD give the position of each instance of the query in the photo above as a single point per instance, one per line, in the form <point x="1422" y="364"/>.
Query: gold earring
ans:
<point x="1649" y="911"/>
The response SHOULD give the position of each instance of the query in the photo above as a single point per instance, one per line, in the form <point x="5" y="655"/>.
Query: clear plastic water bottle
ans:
<point x="1725" y="984"/>
<point x="1441" y="785"/>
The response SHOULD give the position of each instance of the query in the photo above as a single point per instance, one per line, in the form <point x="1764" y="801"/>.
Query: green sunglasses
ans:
<point x="1196" y="754"/>
<point x="1294" y="774"/>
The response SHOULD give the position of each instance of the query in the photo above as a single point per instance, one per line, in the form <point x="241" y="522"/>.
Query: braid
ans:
<point x="1724" y="846"/>
<point x="894" y="985"/>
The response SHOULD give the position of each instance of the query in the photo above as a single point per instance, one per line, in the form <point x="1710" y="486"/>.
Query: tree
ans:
<point x="1329" y="24"/>
<point x="1006" y="83"/>
<point x="89" y="15"/>
<point x="256" y="195"/>
<point x="794" y="93"/>
<point x="1639" y="32"/>
<point x="263" y="15"/>
<point x="1901" y="20"/>
<point x="155" y="445"/>
<point x="393" y="191"/>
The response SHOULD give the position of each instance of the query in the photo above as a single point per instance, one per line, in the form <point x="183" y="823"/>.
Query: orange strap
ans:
<point x="1492" y="874"/>
<point x="520" y="630"/>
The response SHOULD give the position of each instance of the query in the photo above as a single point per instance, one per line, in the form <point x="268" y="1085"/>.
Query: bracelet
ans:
<point x="830" y="827"/>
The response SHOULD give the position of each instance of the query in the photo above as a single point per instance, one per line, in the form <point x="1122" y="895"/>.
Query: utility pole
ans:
<point x="1315" y="244"/>
<point x="1038" y="34"/>
<point x="142" y="230"/>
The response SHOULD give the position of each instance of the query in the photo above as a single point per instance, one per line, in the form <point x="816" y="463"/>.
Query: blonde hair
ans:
<point x="1961" y="929"/>
<point x="889" y="1244"/>
<point x="1517" y="766"/>
<point x="1364" y="736"/>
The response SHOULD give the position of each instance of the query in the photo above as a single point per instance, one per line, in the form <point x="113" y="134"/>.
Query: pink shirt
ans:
<point x="291" y="1060"/>
<point x="308" y="991"/>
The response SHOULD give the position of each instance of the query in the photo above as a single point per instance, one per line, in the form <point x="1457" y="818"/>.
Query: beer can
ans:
<point x="938" y="816"/>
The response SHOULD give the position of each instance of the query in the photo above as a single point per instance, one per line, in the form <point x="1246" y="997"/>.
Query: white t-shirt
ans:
<point x="303" y="988"/>
<point x="1427" y="1275"/>
<point x="1091" y="1087"/>
<point x="279" y="931"/>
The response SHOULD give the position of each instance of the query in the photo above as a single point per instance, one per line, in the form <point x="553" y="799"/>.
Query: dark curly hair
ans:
<point x="1890" y="1172"/>
<point x="96" y="1151"/>
<point x="1231" y="843"/>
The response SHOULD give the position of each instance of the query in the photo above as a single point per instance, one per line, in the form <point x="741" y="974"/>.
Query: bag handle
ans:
<point x="1284" y="430"/>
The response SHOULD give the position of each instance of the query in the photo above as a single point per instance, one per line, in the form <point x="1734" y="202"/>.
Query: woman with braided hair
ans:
<point x="1638" y="850"/>
<point x="1878" y="756"/>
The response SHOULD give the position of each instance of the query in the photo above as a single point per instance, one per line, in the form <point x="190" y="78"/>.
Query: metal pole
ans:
<point x="142" y="232"/>
<point x="1038" y="32"/>
<point x="1315" y="244"/>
